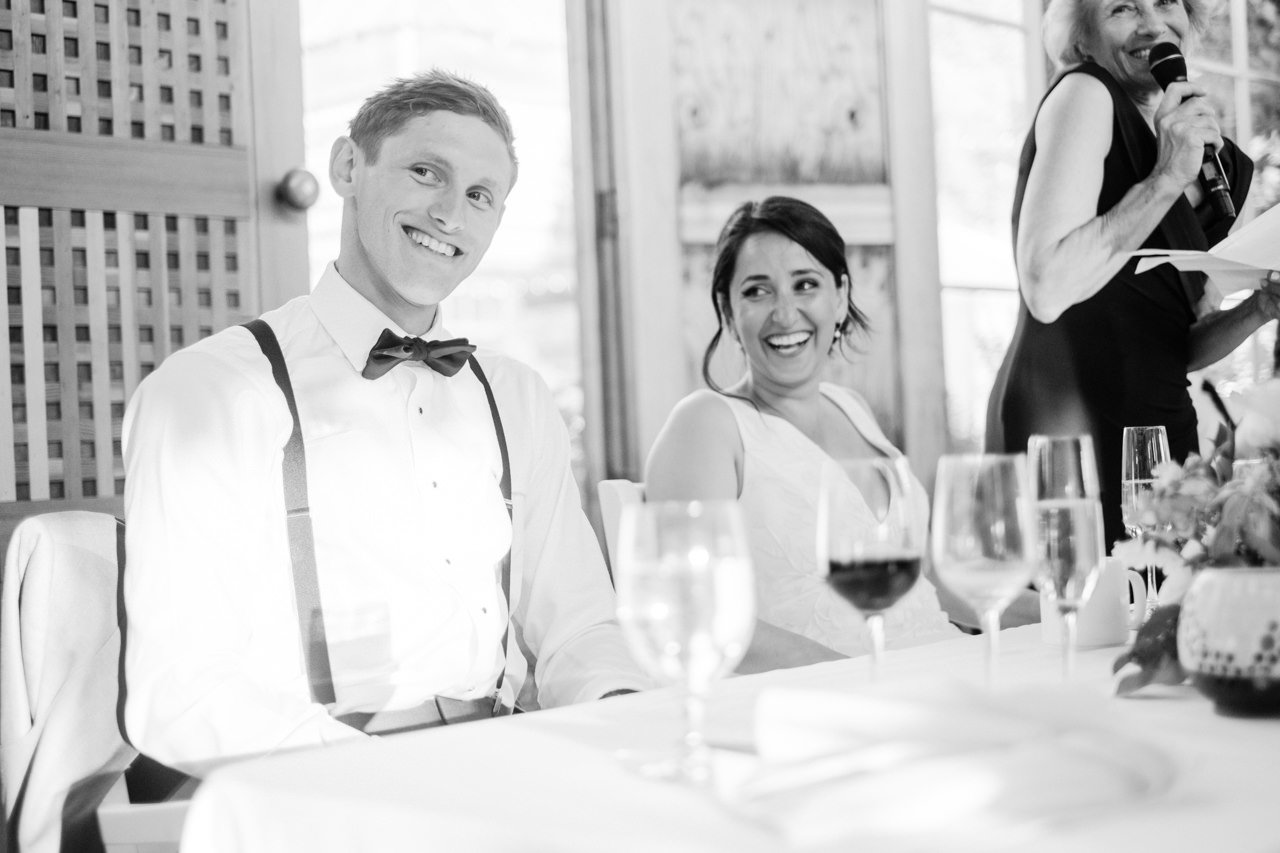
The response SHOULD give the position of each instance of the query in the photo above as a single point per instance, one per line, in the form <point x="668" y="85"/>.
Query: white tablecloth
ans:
<point x="553" y="780"/>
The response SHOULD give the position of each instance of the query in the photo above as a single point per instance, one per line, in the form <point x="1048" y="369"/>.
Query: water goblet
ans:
<point x="1144" y="448"/>
<point x="686" y="604"/>
<point x="1064" y="486"/>
<point x="870" y="538"/>
<point x="983" y="538"/>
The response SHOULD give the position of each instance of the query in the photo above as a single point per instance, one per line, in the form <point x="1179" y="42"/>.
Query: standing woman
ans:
<point x="781" y="292"/>
<point x="1110" y="166"/>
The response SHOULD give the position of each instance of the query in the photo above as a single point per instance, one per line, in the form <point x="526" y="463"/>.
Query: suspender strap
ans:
<point x="505" y="485"/>
<point x="302" y="547"/>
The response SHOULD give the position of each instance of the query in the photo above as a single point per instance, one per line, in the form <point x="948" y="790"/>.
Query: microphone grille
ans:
<point x="1167" y="64"/>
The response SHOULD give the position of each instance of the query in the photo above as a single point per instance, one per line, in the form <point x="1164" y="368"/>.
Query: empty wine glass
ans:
<point x="1144" y="448"/>
<point x="870" y="538"/>
<point x="686" y="603"/>
<point x="983" y="536"/>
<point x="1064" y="486"/>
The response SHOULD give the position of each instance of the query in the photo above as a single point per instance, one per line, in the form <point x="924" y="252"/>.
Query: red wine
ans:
<point x="876" y="583"/>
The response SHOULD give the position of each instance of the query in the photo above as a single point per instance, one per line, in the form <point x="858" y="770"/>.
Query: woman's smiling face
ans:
<point x="785" y="308"/>
<point x="1124" y="32"/>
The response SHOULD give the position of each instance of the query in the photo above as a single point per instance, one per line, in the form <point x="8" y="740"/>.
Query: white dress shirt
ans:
<point x="410" y="529"/>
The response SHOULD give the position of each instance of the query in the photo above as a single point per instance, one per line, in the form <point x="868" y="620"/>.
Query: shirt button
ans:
<point x="433" y="484"/>
<point x="448" y="562"/>
<point x="419" y="410"/>
<point x="484" y="610"/>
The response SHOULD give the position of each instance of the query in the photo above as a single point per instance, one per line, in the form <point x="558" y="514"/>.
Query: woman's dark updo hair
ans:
<point x="798" y="221"/>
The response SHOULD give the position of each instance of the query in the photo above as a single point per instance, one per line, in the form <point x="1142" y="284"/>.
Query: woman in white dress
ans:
<point x="781" y="292"/>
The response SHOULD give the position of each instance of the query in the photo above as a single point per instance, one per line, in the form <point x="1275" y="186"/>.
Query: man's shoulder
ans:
<point x="509" y="376"/>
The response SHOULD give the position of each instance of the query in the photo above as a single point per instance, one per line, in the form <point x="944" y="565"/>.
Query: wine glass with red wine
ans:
<point x="871" y="537"/>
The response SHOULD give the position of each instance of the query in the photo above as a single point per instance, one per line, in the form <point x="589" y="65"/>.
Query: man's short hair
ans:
<point x="390" y="109"/>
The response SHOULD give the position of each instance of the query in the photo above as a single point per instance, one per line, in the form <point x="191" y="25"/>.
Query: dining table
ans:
<point x="573" y="778"/>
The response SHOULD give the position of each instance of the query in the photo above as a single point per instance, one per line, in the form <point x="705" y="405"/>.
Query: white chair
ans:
<point x="61" y="752"/>
<point x="614" y="495"/>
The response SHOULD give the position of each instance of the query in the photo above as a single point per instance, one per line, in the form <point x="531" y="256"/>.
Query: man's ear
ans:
<point x="343" y="159"/>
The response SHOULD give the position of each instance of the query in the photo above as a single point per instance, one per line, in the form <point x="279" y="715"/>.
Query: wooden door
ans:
<point x="141" y="142"/>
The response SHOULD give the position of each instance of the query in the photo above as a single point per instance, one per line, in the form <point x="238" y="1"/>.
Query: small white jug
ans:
<point x="1106" y="618"/>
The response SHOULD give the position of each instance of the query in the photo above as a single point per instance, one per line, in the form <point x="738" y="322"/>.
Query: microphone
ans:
<point x="1169" y="66"/>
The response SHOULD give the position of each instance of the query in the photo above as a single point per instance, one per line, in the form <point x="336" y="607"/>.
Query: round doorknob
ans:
<point x="298" y="189"/>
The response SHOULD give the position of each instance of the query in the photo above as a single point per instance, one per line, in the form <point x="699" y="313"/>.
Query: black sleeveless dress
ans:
<point x="1120" y="357"/>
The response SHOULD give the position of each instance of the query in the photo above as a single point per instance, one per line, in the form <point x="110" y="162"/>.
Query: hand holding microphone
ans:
<point x="1168" y="66"/>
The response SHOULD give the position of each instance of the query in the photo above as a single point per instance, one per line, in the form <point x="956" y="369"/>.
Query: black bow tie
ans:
<point x="444" y="357"/>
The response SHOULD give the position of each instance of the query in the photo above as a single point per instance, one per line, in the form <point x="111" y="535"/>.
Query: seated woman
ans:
<point x="781" y="291"/>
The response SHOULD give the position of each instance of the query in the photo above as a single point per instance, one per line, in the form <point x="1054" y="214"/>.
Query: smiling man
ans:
<point x="372" y="528"/>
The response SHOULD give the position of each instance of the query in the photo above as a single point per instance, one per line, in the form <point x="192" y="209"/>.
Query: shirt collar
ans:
<point x="353" y="321"/>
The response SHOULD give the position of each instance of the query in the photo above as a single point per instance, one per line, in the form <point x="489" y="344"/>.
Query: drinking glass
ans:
<point x="869" y="538"/>
<point x="1144" y="448"/>
<point x="983" y="536"/>
<point x="686" y="603"/>
<point x="1064" y="486"/>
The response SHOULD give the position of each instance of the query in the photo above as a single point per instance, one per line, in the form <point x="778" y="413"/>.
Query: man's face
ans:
<point x="421" y="217"/>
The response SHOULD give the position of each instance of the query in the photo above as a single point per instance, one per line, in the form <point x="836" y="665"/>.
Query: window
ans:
<point x="20" y="453"/>
<point x="233" y="263"/>
<point x="102" y="15"/>
<point x="144" y="297"/>
<point x="15" y="295"/>
<point x="6" y="39"/>
<point x="142" y="260"/>
<point x="8" y="118"/>
<point x="89" y="488"/>
<point x="133" y="17"/>
<point x="38" y="44"/>
<point x="82" y="334"/>
<point x="57" y="489"/>
<point x="175" y="293"/>
<point x="165" y="59"/>
<point x="233" y="299"/>
<point x="166" y="94"/>
<point x="971" y="54"/>
<point x="86" y="411"/>
<point x="224" y="103"/>
<point x="166" y="132"/>
<point x="53" y="412"/>
<point x="104" y="88"/>
<point x="80" y="295"/>
<point x="175" y="336"/>
<point x="116" y="371"/>
<point x="117" y="411"/>
<point x="44" y="217"/>
<point x="202" y="225"/>
<point x="79" y="258"/>
<point x="105" y="127"/>
<point x="55" y="450"/>
<point x="205" y="331"/>
<point x="193" y="62"/>
<point x="146" y="334"/>
<point x="48" y="295"/>
<point x="40" y="121"/>
<point x="73" y="124"/>
<point x="17" y="374"/>
<point x="37" y="7"/>
<point x="73" y="85"/>
<point x="113" y="334"/>
<point x="137" y="130"/>
<point x="70" y="46"/>
<point x="68" y="8"/>
<point x="202" y="260"/>
<point x="204" y="297"/>
<point x="135" y="57"/>
<point x="162" y="22"/>
<point x="196" y="97"/>
<point x="146" y="368"/>
<point x="173" y="260"/>
<point x="84" y="373"/>
<point x="104" y="51"/>
<point x="39" y="82"/>
<point x="19" y="413"/>
<point x="224" y="66"/>
<point x="15" y="334"/>
<point x="6" y="78"/>
<point x="197" y="133"/>
<point x="220" y="29"/>
<point x="171" y="224"/>
<point x="12" y="255"/>
<point x="224" y="136"/>
<point x="50" y="334"/>
<point x="77" y="221"/>
<point x="193" y="26"/>
<point x="141" y="222"/>
<point x="88" y="450"/>
<point x="113" y="291"/>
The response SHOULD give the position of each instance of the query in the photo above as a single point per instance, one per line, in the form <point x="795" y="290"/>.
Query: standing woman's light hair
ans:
<point x="1067" y="27"/>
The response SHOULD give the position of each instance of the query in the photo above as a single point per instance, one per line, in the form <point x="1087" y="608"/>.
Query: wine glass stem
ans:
<point x="697" y="756"/>
<point x="991" y="627"/>
<point x="875" y="624"/>
<point x="1153" y="599"/>
<point x="1068" y="644"/>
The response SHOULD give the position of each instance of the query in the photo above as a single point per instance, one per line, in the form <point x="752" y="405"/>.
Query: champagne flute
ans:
<point x="1144" y="448"/>
<point x="870" y="538"/>
<point x="983" y="536"/>
<point x="686" y="603"/>
<point x="1064" y="485"/>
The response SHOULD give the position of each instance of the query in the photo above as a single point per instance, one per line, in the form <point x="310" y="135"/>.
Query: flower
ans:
<point x="1217" y="512"/>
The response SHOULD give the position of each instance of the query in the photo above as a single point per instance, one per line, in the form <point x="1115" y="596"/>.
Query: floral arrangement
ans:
<point x="1206" y="512"/>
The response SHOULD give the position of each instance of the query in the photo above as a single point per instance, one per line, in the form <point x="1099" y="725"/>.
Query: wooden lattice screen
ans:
<point x="126" y="201"/>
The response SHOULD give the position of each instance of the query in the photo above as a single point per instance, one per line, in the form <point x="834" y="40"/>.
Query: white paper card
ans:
<point x="1240" y="262"/>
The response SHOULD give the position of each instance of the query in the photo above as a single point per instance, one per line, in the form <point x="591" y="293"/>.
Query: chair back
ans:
<point x="61" y="750"/>
<point x="614" y="495"/>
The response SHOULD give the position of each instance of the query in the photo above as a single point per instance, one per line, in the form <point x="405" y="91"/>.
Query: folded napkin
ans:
<point x="951" y="761"/>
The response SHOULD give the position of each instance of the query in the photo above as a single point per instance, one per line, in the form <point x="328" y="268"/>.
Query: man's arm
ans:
<point x="565" y="605"/>
<point x="206" y="571"/>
